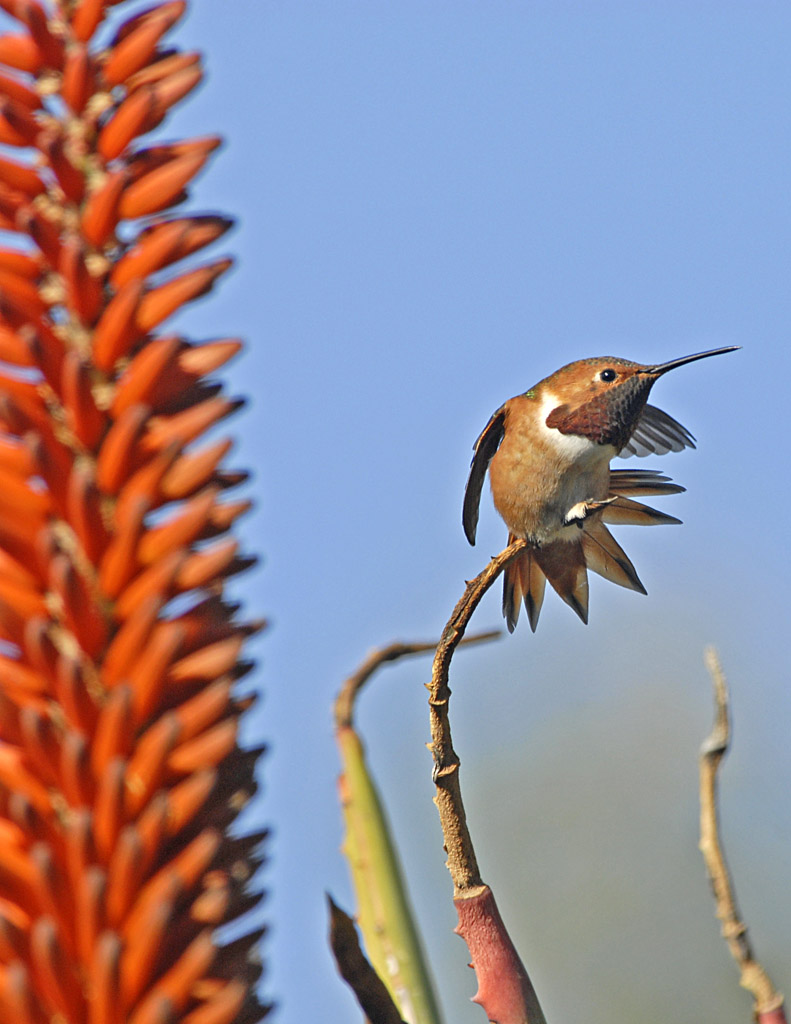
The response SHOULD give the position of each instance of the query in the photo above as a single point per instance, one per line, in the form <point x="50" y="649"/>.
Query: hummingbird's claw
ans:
<point x="578" y="513"/>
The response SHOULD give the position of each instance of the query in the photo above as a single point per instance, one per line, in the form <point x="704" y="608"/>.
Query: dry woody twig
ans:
<point x="768" y="1002"/>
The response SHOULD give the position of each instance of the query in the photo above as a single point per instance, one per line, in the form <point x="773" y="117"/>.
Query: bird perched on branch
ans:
<point x="548" y="453"/>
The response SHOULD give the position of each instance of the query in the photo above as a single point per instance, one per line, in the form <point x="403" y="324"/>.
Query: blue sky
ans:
<point x="441" y="203"/>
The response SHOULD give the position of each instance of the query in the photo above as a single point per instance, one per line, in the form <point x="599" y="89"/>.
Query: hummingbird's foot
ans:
<point x="578" y="513"/>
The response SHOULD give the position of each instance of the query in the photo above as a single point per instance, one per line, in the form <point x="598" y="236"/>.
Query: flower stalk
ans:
<point x="121" y="774"/>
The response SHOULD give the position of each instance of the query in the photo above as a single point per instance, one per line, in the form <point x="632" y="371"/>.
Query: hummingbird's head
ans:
<point x="601" y="398"/>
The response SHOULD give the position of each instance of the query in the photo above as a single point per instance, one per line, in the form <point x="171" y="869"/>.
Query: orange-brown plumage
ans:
<point x="548" y="454"/>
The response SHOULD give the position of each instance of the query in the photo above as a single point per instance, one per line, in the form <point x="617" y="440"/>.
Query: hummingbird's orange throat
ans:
<point x="548" y="454"/>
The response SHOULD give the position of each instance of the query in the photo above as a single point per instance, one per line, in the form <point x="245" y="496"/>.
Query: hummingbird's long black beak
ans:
<point x="655" y="371"/>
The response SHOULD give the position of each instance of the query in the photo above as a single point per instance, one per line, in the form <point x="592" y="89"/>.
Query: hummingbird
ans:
<point x="548" y="454"/>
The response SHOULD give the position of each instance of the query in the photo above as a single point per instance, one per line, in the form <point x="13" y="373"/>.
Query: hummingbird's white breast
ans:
<point x="572" y="448"/>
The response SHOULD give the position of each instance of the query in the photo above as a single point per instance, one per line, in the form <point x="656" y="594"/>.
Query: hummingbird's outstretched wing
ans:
<point x="656" y="433"/>
<point x="642" y="481"/>
<point x="484" y="449"/>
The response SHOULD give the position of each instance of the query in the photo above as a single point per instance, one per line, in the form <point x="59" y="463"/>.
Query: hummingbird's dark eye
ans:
<point x="608" y="376"/>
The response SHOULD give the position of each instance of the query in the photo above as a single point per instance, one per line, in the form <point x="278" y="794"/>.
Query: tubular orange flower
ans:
<point x="120" y="766"/>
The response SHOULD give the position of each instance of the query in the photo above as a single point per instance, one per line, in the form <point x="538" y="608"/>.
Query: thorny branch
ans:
<point x="768" y="1002"/>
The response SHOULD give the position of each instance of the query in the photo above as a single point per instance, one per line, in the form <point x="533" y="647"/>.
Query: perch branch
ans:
<point x="768" y="1002"/>
<point x="504" y="988"/>
<point x="462" y="863"/>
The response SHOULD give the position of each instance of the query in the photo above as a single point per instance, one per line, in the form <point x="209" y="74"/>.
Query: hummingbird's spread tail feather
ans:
<point x="523" y="580"/>
<point x="563" y="564"/>
<point x="605" y="556"/>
